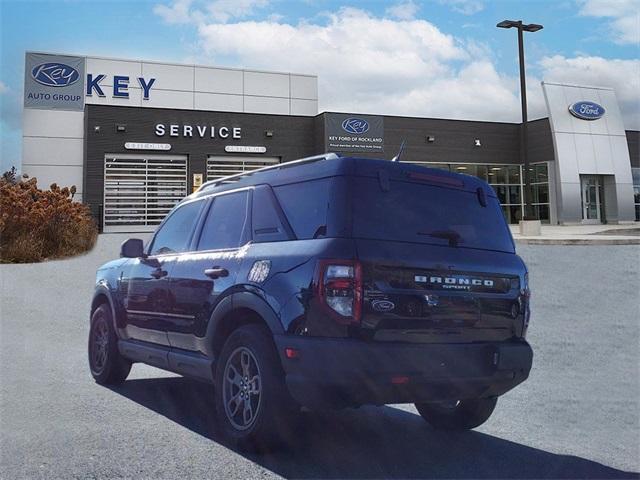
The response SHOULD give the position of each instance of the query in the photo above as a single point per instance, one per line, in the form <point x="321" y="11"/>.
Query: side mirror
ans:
<point x="132" y="248"/>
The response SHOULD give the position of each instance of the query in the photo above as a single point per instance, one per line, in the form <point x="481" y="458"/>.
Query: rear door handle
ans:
<point x="158" y="273"/>
<point x="216" y="272"/>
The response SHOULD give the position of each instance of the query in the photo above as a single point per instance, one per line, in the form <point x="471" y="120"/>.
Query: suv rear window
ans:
<point x="423" y="213"/>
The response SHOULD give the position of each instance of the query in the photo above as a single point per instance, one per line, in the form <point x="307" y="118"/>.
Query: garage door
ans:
<point x="218" y="167"/>
<point x="139" y="190"/>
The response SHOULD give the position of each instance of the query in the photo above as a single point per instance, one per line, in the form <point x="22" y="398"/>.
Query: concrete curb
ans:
<point x="578" y="241"/>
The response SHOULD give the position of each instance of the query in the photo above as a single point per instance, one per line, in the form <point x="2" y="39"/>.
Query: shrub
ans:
<point x="37" y="224"/>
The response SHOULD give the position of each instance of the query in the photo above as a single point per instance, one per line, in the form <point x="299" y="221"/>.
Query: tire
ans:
<point x="253" y="407"/>
<point x="107" y="366"/>
<point x="462" y="415"/>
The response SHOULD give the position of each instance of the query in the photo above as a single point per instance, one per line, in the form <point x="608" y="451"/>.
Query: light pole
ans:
<point x="524" y="158"/>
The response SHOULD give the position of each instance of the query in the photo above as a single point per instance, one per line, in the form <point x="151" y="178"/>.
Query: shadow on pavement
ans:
<point x="369" y="442"/>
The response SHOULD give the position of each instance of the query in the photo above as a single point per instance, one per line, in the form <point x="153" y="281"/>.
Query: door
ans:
<point x="591" y="199"/>
<point x="148" y="299"/>
<point x="200" y="278"/>
<point x="222" y="166"/>
<point x="140" y="190"/>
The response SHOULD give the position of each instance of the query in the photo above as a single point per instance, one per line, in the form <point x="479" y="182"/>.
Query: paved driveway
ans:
<point x="577" y="415"/>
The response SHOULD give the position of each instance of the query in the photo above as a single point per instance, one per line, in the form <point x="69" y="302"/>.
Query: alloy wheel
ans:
<point x="241" y="389"/>
<point x="100" y="345"/>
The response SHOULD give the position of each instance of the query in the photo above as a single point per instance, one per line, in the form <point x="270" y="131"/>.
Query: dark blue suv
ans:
<point x="324" y="282"/>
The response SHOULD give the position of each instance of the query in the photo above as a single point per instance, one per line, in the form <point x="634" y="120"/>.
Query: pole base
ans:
<point x="530" y="228"/>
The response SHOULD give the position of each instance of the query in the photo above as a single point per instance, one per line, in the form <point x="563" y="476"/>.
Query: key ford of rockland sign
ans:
<point x="57" y="82"/>
<point x="348" y="133"/>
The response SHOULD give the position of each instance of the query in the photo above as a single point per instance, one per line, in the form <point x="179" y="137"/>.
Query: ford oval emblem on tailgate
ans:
<point x="382" y="305"/>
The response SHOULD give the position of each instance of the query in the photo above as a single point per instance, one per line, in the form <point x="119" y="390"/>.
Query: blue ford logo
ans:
<point x="55" y="74"/>
<point x="357" y="126"/>
<point x="382" y="305"/>
<point x="586" y="110"/>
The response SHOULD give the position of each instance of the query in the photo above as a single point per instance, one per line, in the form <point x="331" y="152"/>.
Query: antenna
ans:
<point x="400" y="152"/>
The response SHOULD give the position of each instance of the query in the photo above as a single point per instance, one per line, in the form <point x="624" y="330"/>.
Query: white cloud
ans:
<point x="178" y="12"/>
<point x="3" y="88"/>
<point x="622" y="75"/>
<point x="371" y="64"/>
<point x="188" y="11"/>
<point x="403" y="11"/>
<point x="224" y="10"/>
<point x="624" y="15"/>
<point x="466" y="7"/>
<point x="401" y="67"/>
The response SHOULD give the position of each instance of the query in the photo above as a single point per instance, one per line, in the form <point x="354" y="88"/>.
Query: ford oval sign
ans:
<point x="586" y="110"/>
<point x="55" y="74"/>
<point x="357" y="126"/>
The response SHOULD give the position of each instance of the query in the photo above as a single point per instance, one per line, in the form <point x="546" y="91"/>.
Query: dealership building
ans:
<point x="135" y="137"/>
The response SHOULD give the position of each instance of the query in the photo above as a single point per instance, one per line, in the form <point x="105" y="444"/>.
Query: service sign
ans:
<point x="354" y="133"/>
<point x="586" y="110"/>
<point x="54" y="82"/>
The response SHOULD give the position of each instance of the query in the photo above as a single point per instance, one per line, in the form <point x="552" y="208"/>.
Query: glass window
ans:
<point x="501" y="193"/>
<point x="497" y="174"/>
<point x="267" y="226"/>
<point x="224" y="226"/>
<point x="305" y="204"/>
<point x="635" y="172"/>
<point x="513" y="172"/>
<point x="514" y="194"/>
<point x="540" y="174"/>
<point x="466" y="169"/>
<point x="441" y="166"/>
<point x="175" y="232"/>
<point x="540" y="193"/>
<point x="541" y="212"/>
<point x="422" y="213"/>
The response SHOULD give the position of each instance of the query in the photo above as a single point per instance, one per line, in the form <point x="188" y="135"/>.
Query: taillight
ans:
<point x="339" y="288"/>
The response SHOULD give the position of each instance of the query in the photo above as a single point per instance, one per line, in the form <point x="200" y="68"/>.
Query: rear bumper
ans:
<point x="342" y="372"/>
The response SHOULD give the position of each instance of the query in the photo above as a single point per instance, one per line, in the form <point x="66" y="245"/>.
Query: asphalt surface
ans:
<point x="578" y="415"/>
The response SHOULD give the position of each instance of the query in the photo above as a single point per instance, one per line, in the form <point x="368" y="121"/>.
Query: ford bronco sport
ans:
<point x="327" y="281"/>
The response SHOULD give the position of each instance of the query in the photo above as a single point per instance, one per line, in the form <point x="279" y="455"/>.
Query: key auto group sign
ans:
<point x="59" y="82"/>
<point x="54" y="82"/>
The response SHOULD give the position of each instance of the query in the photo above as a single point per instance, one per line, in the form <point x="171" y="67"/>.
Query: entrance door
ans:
<point x="591" y="199"/>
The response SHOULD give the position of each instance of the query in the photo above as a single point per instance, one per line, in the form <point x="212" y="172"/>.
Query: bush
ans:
<point x="37" y="225"/>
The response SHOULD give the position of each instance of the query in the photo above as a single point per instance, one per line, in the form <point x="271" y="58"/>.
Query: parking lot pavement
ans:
<point x="578" y="415"/>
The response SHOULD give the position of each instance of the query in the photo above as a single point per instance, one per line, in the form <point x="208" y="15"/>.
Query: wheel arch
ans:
<point x="234" y="311"/>
<point x="102" y="296"/>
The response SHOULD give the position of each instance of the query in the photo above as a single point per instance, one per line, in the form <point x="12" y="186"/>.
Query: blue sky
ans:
<point x="432" y="58"/>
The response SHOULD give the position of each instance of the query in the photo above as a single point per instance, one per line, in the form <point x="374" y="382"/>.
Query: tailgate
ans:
<point x="430" y="293"/>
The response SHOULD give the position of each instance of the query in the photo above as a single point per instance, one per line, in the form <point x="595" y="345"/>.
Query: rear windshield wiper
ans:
<point x="451" y="235"/>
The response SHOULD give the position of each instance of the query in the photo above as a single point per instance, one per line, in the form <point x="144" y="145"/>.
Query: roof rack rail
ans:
<point x="238" y="176"/>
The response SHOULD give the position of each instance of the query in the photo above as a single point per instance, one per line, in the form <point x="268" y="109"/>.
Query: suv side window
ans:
<point x="306" y="205"/>
<point x="266" y="219"/>
<point x="225" y="222"/>
<point x="175" y="233"/>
